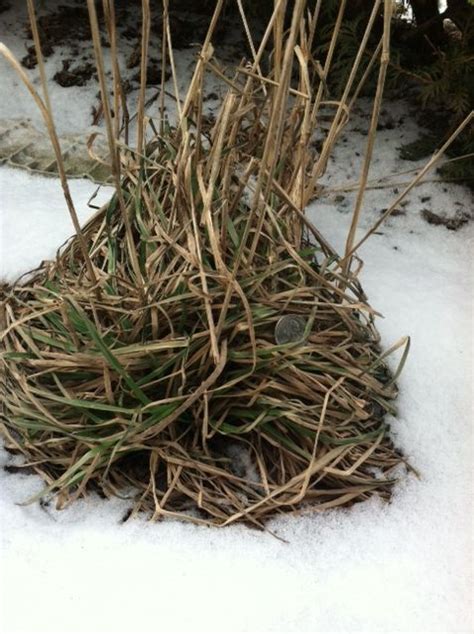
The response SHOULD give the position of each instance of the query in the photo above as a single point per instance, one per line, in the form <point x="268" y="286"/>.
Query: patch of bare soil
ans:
<point x="77" y="75"/>
<point x="453" y="224"/>
<point x="67" y="27"/>
<point x="5" y="5"/>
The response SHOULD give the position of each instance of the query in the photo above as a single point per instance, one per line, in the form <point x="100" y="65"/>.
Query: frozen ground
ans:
<point x="401" y="567"/>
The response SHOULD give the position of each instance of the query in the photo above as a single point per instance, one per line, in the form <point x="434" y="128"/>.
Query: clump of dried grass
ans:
<point x="143" y="359"/>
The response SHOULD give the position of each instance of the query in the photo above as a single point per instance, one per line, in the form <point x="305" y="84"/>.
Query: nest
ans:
<point x="144" y="360"/>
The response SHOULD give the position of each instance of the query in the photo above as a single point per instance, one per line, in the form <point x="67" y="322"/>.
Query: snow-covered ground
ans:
<point x="404" y="566"/>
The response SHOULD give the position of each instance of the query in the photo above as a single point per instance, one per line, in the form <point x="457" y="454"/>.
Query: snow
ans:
<point x="34" y="221"/>
<point x="404" y="566"/>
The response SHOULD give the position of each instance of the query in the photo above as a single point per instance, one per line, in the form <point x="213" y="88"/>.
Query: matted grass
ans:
<point x="143" y="361"/>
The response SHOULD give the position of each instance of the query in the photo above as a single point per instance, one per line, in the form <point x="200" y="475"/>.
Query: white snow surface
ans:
<point x="404" y="566"/>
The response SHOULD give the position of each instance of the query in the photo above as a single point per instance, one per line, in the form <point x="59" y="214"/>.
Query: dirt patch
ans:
<point x="22" y="469"/>
<point x="395" y="212"/>
<point x="64" y="27"/>
<point x="153" y="76"/>
<point x="4" y="6"/>
<point x="30" y="60"/>
<point x="67" y="26"/>
<point x="453" y="224"/>
<point x="74" y="76"/>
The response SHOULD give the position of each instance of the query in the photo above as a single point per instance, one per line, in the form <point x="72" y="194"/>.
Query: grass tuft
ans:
<point x="150" y="364"/>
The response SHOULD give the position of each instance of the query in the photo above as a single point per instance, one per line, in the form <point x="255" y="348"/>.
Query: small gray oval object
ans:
<point x="290" y="329"/>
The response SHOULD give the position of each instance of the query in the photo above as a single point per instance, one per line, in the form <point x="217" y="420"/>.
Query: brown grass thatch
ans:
<point x="143" y="359"/>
